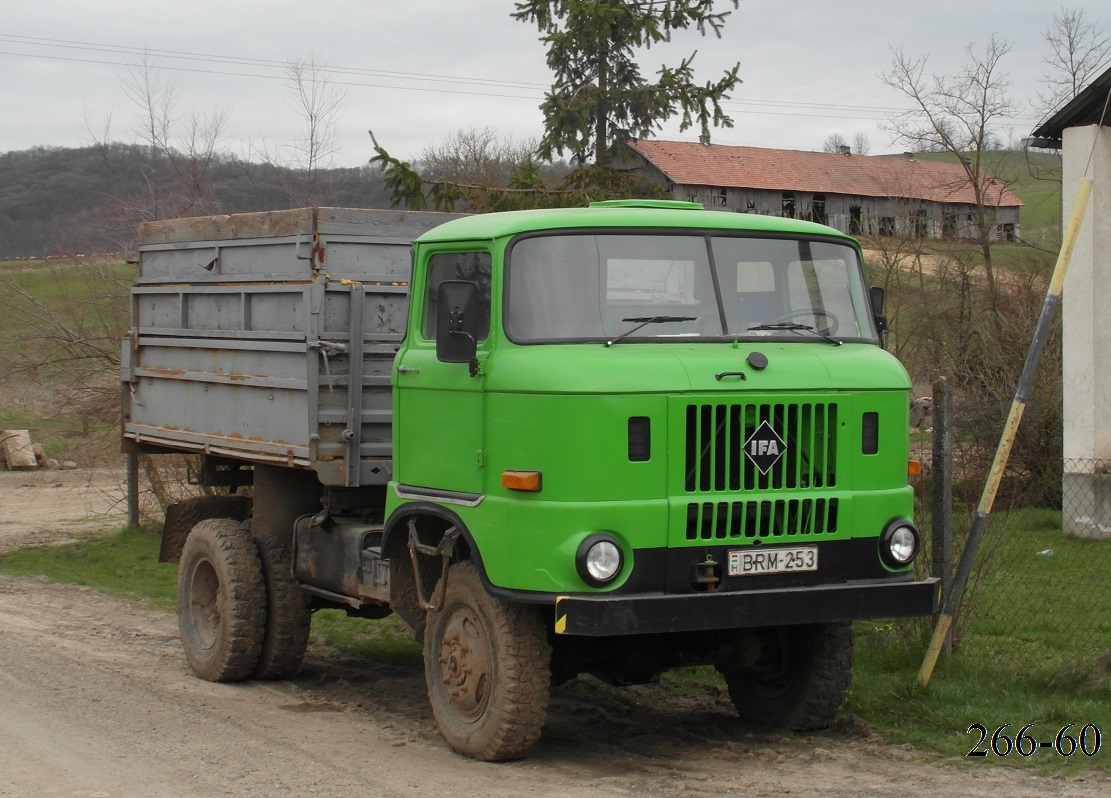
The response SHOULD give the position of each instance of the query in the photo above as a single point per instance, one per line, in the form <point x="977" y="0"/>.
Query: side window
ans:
<point x="470" y="266"/>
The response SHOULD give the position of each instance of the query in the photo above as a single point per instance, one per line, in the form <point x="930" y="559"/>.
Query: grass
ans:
<point x="56" y="435"/>
<point x="58" y="352"/>
<point x="89" y="299"/>
<point x="386" y="640"/>
<point x="1028" y="654"/>
<point x="996" y="677"/>
<point x="124" y="564"/>
<point x="966" y="689"/>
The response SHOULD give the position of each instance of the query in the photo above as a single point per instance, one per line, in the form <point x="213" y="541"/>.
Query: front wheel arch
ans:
<point x="432" y="522"/>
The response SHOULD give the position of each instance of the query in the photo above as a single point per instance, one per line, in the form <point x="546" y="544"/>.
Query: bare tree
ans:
<point x="1078" y="47"/>
<point x="476" y="156"/>
<point x="180" y="151"/>
<point x="957" y="113"/>
<point x="301" y="166"/>
<point x="834" y="142"/>
<point x="320" y="103"/>
<point x="860" y="144"/>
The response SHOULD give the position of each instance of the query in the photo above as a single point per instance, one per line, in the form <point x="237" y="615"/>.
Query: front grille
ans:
<point x="715" y="440"/>
<point x="761" y="519"/>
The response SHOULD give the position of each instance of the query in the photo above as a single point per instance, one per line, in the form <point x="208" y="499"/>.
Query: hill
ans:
<point x="59" y="201"/>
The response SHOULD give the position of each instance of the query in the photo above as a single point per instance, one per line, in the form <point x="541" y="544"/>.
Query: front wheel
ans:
<point x="487" y="667"/>
<point x="802" y="679"/>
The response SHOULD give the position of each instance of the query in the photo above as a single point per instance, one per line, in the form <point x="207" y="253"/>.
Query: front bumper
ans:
<point x="654" y="613"/>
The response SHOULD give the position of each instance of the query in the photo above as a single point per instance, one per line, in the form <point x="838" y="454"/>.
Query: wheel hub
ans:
<point x="465" y="663"/>
<point x="204" y="604"/>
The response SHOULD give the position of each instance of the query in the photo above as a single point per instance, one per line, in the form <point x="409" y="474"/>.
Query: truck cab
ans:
<point x="671" y="432"/>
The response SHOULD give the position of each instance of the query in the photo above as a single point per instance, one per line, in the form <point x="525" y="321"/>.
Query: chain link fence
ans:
<point x="1038" y="599"/>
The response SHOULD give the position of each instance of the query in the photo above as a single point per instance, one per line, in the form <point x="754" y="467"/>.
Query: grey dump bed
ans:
<point x="269" y="337"/>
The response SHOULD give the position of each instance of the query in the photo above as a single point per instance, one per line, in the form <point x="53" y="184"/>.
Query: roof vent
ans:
<point x="704" y="139"/>
<point x="675" y="205"/>
<point x="845" y="149"/>
<point x="909" y="156"/>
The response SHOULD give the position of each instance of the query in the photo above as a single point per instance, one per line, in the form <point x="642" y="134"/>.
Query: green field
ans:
<point x="60" y="327"/>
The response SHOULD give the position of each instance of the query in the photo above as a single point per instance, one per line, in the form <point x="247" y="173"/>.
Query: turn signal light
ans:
<point x="521" y="480"/>
<point x="914" y="468"/>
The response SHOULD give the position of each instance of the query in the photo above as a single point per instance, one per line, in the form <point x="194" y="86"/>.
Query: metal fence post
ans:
<point x="132" y="489"/>
<point x="941" y="515"/>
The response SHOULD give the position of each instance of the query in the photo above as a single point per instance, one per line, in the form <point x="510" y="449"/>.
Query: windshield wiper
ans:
<point x="644" y="321"/>
<point x="795" y="327"/>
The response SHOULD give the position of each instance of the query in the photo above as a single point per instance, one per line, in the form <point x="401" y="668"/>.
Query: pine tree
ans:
<point x="599" y="90"/>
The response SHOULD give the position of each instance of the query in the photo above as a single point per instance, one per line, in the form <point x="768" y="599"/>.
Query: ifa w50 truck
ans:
<point x="609" y="440"/>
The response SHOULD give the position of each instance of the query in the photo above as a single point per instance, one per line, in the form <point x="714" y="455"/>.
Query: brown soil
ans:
<point x="96" y="700"/>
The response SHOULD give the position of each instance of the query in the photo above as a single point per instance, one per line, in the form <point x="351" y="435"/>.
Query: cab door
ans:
<point x="439" y="416"/>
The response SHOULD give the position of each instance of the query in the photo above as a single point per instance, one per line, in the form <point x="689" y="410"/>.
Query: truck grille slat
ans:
<point x="715" y="440"/>
<point x="761" y="519"/>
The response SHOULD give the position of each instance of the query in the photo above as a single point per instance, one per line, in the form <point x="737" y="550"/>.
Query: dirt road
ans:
<point x="96" y="701"/>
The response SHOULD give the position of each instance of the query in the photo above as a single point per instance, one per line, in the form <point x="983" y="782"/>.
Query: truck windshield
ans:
<point x="586" y="287"/>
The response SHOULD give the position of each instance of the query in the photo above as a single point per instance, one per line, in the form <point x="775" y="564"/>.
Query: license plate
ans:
<point x="772" y="560"/>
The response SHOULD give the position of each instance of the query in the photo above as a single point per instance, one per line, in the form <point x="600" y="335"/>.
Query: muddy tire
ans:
<point x="221" y="601"/>
<point x="487" y="667"/>
<point x="804" y="680"/>
<point x="288" y="616"/>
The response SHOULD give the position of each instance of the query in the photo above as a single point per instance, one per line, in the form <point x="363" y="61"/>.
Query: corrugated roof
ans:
<point x="692" y="164"/>
<point x="1089" y="107"/>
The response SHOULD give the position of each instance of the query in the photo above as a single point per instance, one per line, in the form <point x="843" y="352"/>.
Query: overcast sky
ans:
<point x="416" y="71"/>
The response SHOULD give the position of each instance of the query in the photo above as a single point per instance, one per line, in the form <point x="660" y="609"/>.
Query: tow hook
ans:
<point x="706" y="575"/>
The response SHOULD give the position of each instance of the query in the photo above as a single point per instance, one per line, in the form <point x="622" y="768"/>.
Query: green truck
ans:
<point x="609" y="440"/>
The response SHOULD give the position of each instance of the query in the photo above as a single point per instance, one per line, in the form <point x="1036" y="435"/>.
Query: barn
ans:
<point x="857" y="194"/>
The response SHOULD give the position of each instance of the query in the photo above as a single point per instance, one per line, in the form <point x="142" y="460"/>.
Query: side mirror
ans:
<point x="875" y="298"/>
<point x="457" y="323"/>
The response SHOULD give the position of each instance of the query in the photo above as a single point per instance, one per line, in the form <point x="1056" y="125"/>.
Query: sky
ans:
<point x="418" y="71"/>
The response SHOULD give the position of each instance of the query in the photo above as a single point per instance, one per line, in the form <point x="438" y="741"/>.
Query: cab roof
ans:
<point x="638" y="214"/>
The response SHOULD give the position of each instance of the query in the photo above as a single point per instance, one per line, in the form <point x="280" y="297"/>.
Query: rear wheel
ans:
<point x="221" y="601"/>
<point x="802" y="680"/>
<point x="288" y="613"/>
<point x="487" y="667"/>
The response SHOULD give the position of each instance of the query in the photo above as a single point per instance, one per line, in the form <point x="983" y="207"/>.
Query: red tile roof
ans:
<point x="692" y="164"/>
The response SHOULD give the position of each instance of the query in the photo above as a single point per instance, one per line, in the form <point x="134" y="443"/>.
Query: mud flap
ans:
<point x="182" y="516"/>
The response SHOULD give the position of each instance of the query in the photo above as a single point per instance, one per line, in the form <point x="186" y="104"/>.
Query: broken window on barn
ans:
<point x="949" y="225"/>
<point x="856" y="227"/>
<point x="788" y="205"/>
<point x="818" y="209"/>
<point x="921" y="224"/>
<point x="887" y="226"/>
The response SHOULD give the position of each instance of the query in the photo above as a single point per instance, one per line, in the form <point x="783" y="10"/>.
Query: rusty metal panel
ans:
<point x="272" y="340"/>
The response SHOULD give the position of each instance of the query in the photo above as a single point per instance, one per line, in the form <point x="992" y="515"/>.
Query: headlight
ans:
<point x="599" y="559"/>
<point x="899" y="544"/>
